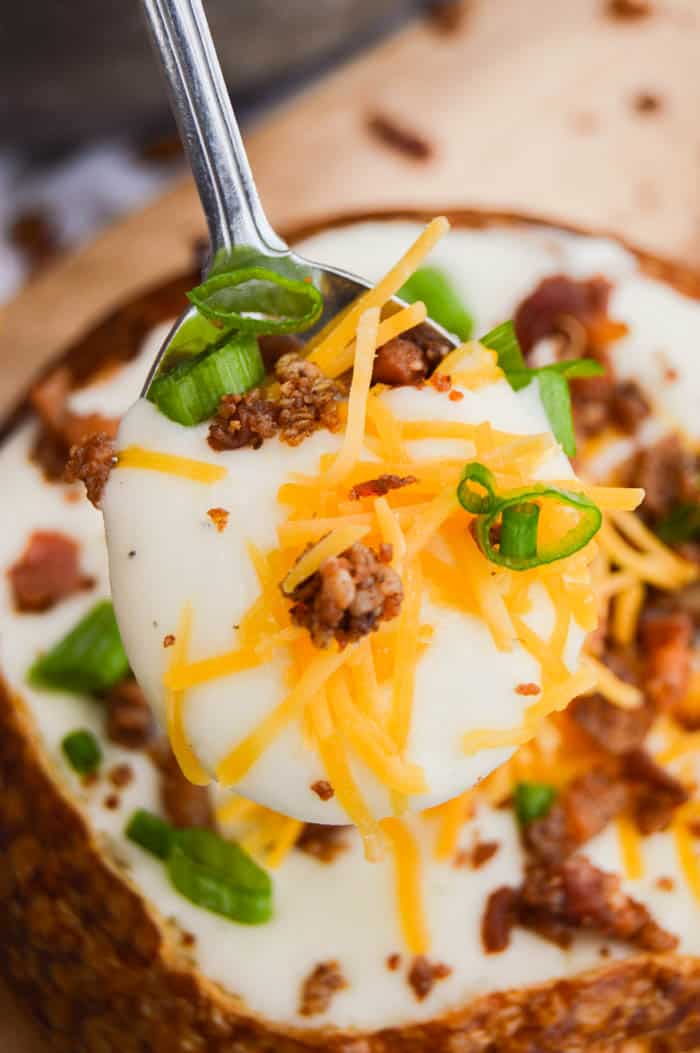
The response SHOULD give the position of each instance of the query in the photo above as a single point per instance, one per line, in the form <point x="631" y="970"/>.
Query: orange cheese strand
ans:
<point x="329" y="352"/>
<point x="332" y="751"/>
<point x="184" y="754"/>
<point x="611" y="687"/>
<point x="357" y="399"/>
<point x="687" y="847"/>
<point x="242" y="758"/>
<point x="170" y="464"/>
<point x="407" y="870"/>
<point x="626" y="610"/>
<point x="452" y="815"/>
<point x="388" y="429"/>
<point x="332" y="545"/>
<point x="405" y="656"/>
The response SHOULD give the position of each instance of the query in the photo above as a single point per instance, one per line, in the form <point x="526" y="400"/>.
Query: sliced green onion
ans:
<point x="191" y="391"/>
<point x="472" y="500"/>
<point x="225" y="858"/>
<point x="556" y="400"/>
<point x="82" y="751"/>
<point x="434" y="288"/>
<point x="681" y="524"/>
<point x="533" y="800"/>
<point x="89" y="660"/>
<point x="151" y="832"/>
<point x="215" y="891"/>
<point x="552" y="380"/>
<point x="258" y="294"/>
<point x="505" y="343"/>
<point x="195" y="335"/>
<point x="573" y="539"/>
<point x="519" y="531"/>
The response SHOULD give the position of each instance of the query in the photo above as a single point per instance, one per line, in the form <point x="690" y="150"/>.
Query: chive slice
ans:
<point x="190" y="392"/>
<point x="505" y="343"/>
<point x="552" y="380"/>
<point x="573" y="539"/>
<point x="151" y="832"/>
<point x="82" y="751"/>
<point x="89" y="660"/>
<point x="216" y="892"/>
<point x="258" y="294"/>
<point x="225" y="858"/>
<point x="532" y="800"/>
<point x="681" y="524"/>
<point x="470" y="499"/>
<point x="519" y="531"/>
<point x="444" y="306"/>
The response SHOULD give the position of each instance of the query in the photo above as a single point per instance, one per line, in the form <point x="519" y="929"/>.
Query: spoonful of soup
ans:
<point x="350" y="560"/>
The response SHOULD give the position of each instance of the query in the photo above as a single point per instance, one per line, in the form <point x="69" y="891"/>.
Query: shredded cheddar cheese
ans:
<point x="184" y="754"/>
<point x="170" y="464"/>
<point x="332" y="545"/>
<point x="407" y="868"/>
<point x="359" y="393"/>
<point x="621" y="694"/>
<point x="630" y="848"/>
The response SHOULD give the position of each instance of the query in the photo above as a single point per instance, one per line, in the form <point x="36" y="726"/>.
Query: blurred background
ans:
<point x="578" y="111"/>
<point x="84" y="122"/>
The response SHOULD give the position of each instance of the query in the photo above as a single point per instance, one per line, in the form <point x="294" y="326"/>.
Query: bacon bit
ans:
<point x="219" y="517"/>
<point x="478" y="855"/>
<point x="397" y="137"/>
<point x="380" y="486"/>
<point x="665" y="884"/>
<point x="584" y="808"/>
<point x="455" y="396"/>
<point x="423" y="975"/>
<point x="498" y="919"/>
<point x="557" y="298"/>
<point x="528" y="689"/>
<point x="667" y="640"/>
<point x="385" y="552"/>
<point x="579" y="895"/>
<point x="393" y="962"/>
<point x="322" y="841"/>
<point x="120" y="775"/>
<point x="47" y="572"/>
<point x="129" y="717"/>
<point x="91" y="462"/>
<point x="447" y="16"/>
<point x="323" y="789"/>
<point x="111" y="801"/>
<point x="184" y="804"/>
<point x="441" y="381"/>
<point x="168" y="640"/>
<point x="657" y="793"/>
<point x="319" y="987"/>
<point x="629" y="10"/>
<point x="645" y="102"/>
<point x="61" y="427"/>
<point x="188" y="939"/>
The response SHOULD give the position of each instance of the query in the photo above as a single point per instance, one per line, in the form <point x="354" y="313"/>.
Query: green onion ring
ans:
<point x="469" y="499"/>
<point x="257" y="299"/>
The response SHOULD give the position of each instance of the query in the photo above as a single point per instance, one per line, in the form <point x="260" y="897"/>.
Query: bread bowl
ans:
<point x="91" y="949"/>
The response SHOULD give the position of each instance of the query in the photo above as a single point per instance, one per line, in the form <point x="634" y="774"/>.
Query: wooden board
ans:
<point x="531" y="106"/>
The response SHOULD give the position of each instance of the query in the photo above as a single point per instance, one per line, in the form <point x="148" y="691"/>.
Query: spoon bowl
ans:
<point x="219" y="163"/>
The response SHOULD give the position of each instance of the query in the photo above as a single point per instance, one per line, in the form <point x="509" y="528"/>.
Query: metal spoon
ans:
<point x="218" y="160"/>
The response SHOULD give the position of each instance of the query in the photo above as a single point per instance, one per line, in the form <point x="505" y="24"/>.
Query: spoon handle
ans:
<point x="208" y="127"/>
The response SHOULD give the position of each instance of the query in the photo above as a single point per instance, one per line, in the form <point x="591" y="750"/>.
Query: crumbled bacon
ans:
<point x="583" y="809"/>
<point x="668" y="473"/>
<point x="319" y="987"/>
<point x="61" y="428"/>
<point x="411" y="357"/>
<point x="441" y="382"/>
<point x="629" y="405"/>
<point x="219" y="517"/>
<point x="667" y="641"/>
<point x="243" y="420"/>
<point x="555" y="299"/>
<point x="323" y="789"/>
<point x="612" y="728"/>
<point x="399" y="362"/>
<point x="380" y="486"/>
<point x="322" y="841"/>
<point x="47" y="572"/>
<point x="423" y="975"/>
<point x="129" y="718"/>
<point x="498" y="919"/>
<point x="528" y="689"/>
<point x="307" y="401"/>
<point x="582" y="896"/>
<point x="478" y="855"/>
<point x="184" y="803"/>
<point x="91" y="462"/>
<point x="347" y="597"/>
<point x="657" y="793"/>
